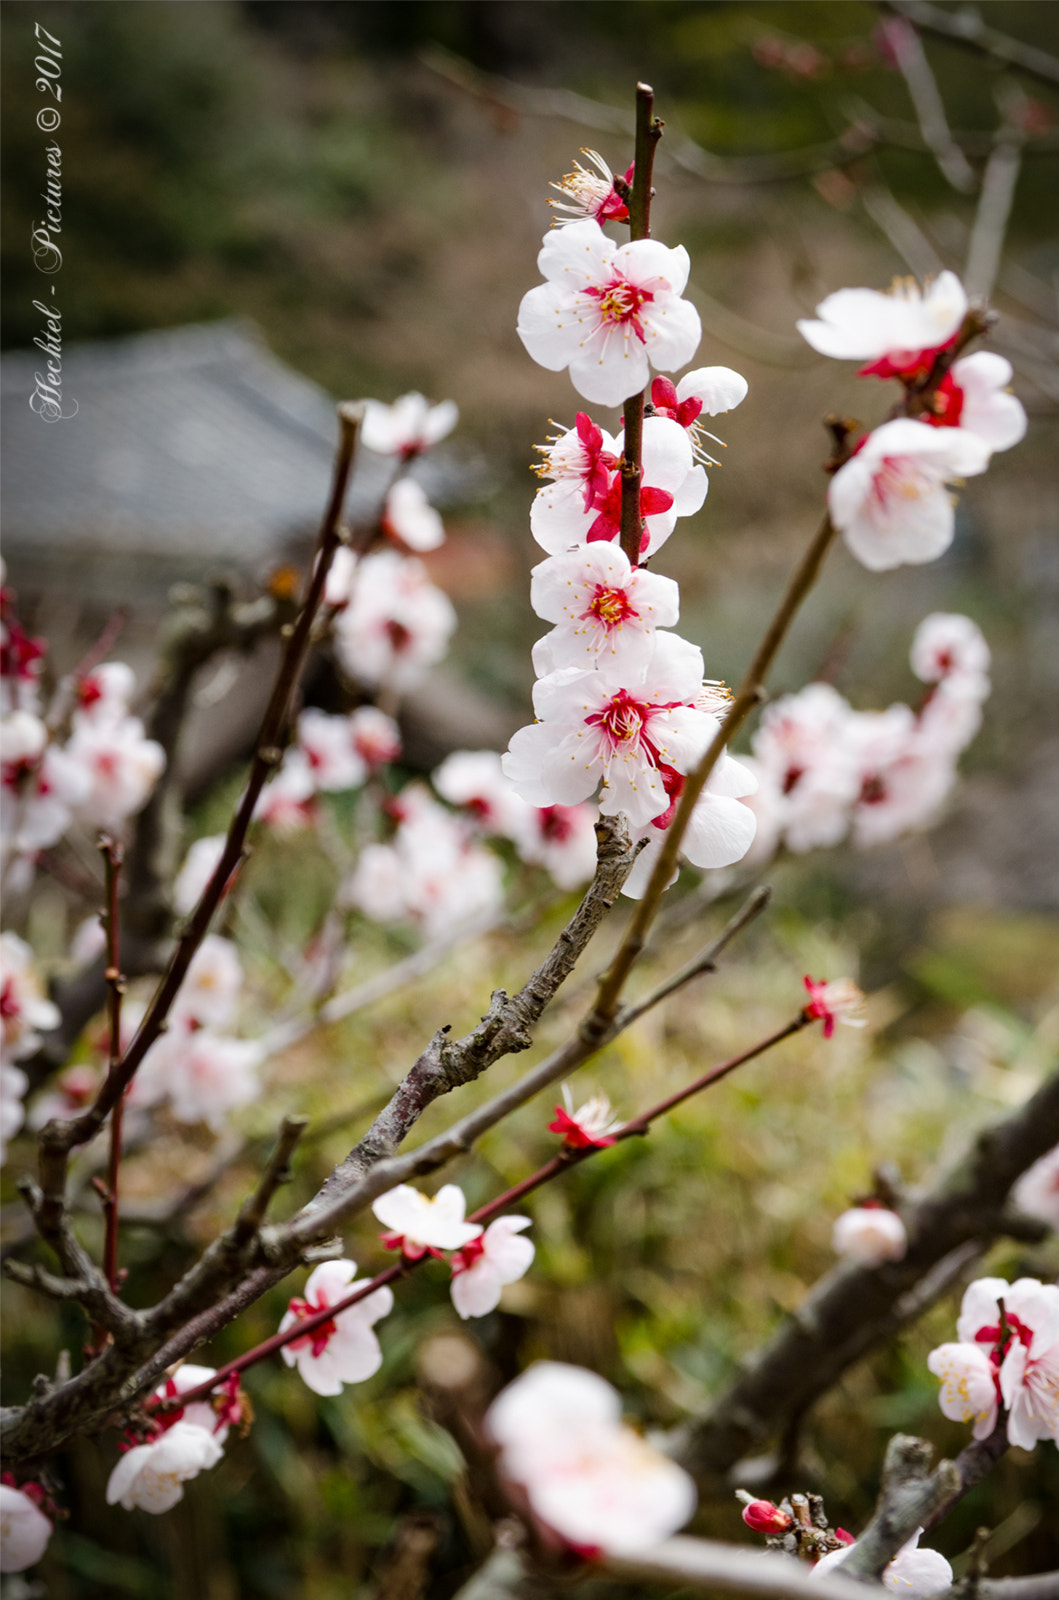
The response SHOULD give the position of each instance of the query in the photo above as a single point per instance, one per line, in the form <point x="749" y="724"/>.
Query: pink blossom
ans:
<point x="974" y="396"/>
<point x="473" y="779"/>
<point x="397" y="624"/>
<point x="343" y="1349"/>
<point x="420" y="1225"/>
<point x="891" y="502"/>
<point x="765" y="1517"/>
<point x="327" y="744"/>
<point x="1037" y="1191"/>
<point x="592" y="1125"/>
<point x="898" y="333"/>
<point x="591" y="1480"/>
<point x="200" y="1413"/>
<point x="408" y="427"/>
<point x="638" y="741"/>
<point x="410" y="520"/>
<point x="122" y="767"/>
<point x="869" y="1234"/>
<point x="604" y="608"/>
<point x="24" y="1008"/>
<point x="24" y="1529"/>
<point x="152" y="1476"/>
<point x="1007" y="1349"/>
<point x="591" y="194"/>
<point x="837" y="1001"/>
<point x="21" y="659"/>
<point x="105" y="694"/>
<point x="608" y="312"/>
<point x="579" y="461"/>
<point x="482" y="1268"/>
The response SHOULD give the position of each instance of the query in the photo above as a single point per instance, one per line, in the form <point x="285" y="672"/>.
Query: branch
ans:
<point x="853" y="1308"/>
<point x="276" y="1173"/>
<point x="930" y="109"/>
<point x="965" y="27"/>
<point x="991" y="218"/>
<point x="703" y="1567"/>
<point x="648" y="133"/>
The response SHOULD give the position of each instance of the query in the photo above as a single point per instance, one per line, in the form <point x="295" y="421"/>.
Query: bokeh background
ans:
<point x="365" y="184"/>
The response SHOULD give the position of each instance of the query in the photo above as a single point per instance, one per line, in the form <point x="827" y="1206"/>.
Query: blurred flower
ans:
<point x="376" y="737"/>
<point x="396" y="625"/>
<point x="591" y="1480"/>
<point x="482" y="1268"/>
<point x="344" y="1349"/>
<point x="898" y="333"/>
<point x="24" y="1529"/>
<point x="708" y="390"/>
<point x="837" y="1001"/>
<point x="592" y="194"/>
<point x="408" y="427"/>
<point x="105" y="693"/>
<point x="592" y="1125"/>
<point x="947" y="644"/>
<point x="152" y="1476"/>
<point x="608" y="312"/>
<point x="288" y="800"/>
<point x="410" y="520"/>
<point x="422" y="1226"/>
<point x="200" y="863"/>
<point x="1037" y="1191"/>
<point x="913" y="1573"/>
<point x="121" y="765"/>
<point x="23" y="1005"/>
<point x="869" y="1234"/>
<point x="974" y="396"/>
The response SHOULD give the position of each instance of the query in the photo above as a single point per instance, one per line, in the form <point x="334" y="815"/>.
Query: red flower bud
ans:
<point x="764" y="1517"/>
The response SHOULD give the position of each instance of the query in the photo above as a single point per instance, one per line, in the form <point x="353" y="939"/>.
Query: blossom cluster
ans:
<point x="825" y="771"/>
<point x="1005" y="1355"/>
<point x="85" y="759"/>
<point x="23" y="1009"/>
<point x="623" y="712"/>
<point x="184" y="1441"/>
<point x="891" y="500"/>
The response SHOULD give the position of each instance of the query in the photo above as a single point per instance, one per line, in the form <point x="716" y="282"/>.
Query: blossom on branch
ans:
<point x="1037" y="1191"/>
<point x="837" y="1001"/>
<point x="720" y="829"/>
<point x="592" y="1126"/>
<point x="869" y="1234"/>
<point x="344" y="1349"/>
<point x="422" y="1226"/>
<point x="898" y="333"/>
<point x="591" y="194"/>
<point x="1007" y="1350"/>
<point x="605" y="610"/>
<point x="396" y="625"/>
<point x="608" y="312"/>
<point x="891" y="502"/>
<point x="152" y="1476"/>
<point x="410" y="520"/>
<point x="482" y="1268"/>
<point x="407" y="428"/>
<point x="705" y="392"/>
<point x="914" y="1573"/>
<point x="24" y="1529"/>
<point x="974" y="395"/>
<point x="591" y="1480"/>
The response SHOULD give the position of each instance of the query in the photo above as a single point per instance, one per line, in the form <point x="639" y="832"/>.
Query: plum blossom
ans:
<point x="376" y="737"/>
<point x="891" y="502"/>
<point x="24" y="1529"/>
<point x="898" y="333"/>
<point x="24" y="1008"/>
<point x="578" y="461"/>
<point x="672" y="487"/>
<point x="199" y="865"/>
<point x="637" y="741"/>
<point x="423" y="1226"/>
<point x="902" y="776"/>
<point x="591" y="1126"/>
<point x="42" y="787"/>
<point x="105" y="694"/>
<point x="204" y="1075"/>
<point x="397" y="624"/>
<point x="974" y="395"/>
<point x="210" y="992"/>
<point x="914" y="1573"/>
<point x="410" y="520"/>
<point x="13" y="1085"/>
<point x="121" y="764"/>
<point x="603" y="608"/>
<point x="473" y="779"/>
<point x="216" y="1419"/>
<point x="288" y="800"/>
<point x="869" y="1234"/>
<point x="21" y="659"/>
<point x="837" y="1001"/>
<point x="766" y="1517"/>
<point x="806" y="779"/>
<point x="1037" y="1191"/>
<point x="408" y="427"/>
<point x="344" y="1349"/>
<point x="704" y="392"/>
<point x="152" y="1476"/>
<point x="591" y="194"/>
<point x="482" y="1268"/>
<point x="591" y="1480"/>
<point x="608" y="312"/>
<point x="948" y="645"/>
<point x="561" y="839"/>
<point x="72" y="1091"/>
<point x="1007" y="1350"/>
<point x="327" y="744"/>
<point x="720" y="829"/>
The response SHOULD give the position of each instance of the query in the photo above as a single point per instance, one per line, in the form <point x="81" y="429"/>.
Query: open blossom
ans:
<point x="216" y="1419"/>
<point x="837" y="1001"/>
<point x="410" y="520"/>
<point x="898" y="333"/>
<point x="608" y="312"/>
<point x="1037" y="1191"/>
<point x="591" y="194"/>
<point x="288" y="800"/>
<point x="397" y="624"/>
<point x="948" y="645"/>
<point x="328" y="746"/>
<point x="803" y="766"/>
<point x="23" y="1005"/>
<point x="205" y="1076"/>
<point x="704" y="392"/>
<point x="592" y="1125"/>
<point x="578" y="463"/>
<point x="720" y="829"/>
<point x="672" y="486"/>
<point x="473" y="779"/>
<point x="408" y="427"/>
<point x="904" y="773"/>
<point x="344" y="1349"/>
<point x="152" y="1476"/>
<point x="105" y="694"/>
<point x="42" y="787"/>
<point x="481" y="1268"/>
<point x="561" y="839"/>
<point x="603" y="608"/>
<point x="914" y="1573"/>
<point x="638" y="741"/>
<point x="1013" y="1358"/>
<point x="869" y="1235"/>
<point x="210" y="992"/>
<point x="589" y="1478"/>
<point x="122" y="767"/>
<point x="376" y="737"/>
<point x="422" y="1226"/>
<point x="891" y="501"/>
<point x="974" y="395"/>
<point x="24" y="1529"/>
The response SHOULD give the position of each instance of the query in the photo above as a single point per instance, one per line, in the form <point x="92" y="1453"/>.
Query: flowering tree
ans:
<point x="625" y="773"/>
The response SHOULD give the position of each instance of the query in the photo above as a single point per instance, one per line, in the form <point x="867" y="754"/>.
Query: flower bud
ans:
<point x="764" y="1517"/>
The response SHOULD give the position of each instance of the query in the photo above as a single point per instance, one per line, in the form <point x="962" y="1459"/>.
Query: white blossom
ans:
<point x="975" y="397"/>
<point x="344" y="1349"/>
<point x="408" y="427"/>
<point x="24" y="1530"/>
<point x="947" y="645"/>
<point x="120" y="763"/>
<point x="1037" y="1191"/>
<point x="869" y="1235"/>
<point x="603" y="608"/>
<point x="904" y="326"/>
<point x="152" y="1476"/>
<point x="426" y="1225"/>
<point x="482" y="1268"/>
<point x="327" y="744"/>
<point x="608" y="312"/>
<point x="396" y="625"/>
<point x="199" y="865"/>
<point x="410" y="519"/>
<point x="914" y="1573"/>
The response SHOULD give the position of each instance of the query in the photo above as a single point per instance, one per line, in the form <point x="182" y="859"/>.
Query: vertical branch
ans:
<point x="112" y="854"/>
<point x="994" y="208"/>
<point x="648" y="133"/>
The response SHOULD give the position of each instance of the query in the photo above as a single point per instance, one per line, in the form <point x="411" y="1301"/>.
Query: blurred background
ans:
<point x="272" y="203"/>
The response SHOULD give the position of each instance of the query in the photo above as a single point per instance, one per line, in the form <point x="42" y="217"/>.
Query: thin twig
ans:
<point x="914" y="67"/>
<point x="112" y="859"/>
<point x="277" y="1172"/>
<point x="991" y="218"/>
<point x="648" y="133"/>
<point x="965" y="27"/>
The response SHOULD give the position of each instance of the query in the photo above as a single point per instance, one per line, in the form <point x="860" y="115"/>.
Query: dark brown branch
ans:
<point x="648" y="133"/>
<point x="853" y="1307"/>
<point x="277" y="1172"/>
<point x="112" y="859"/>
